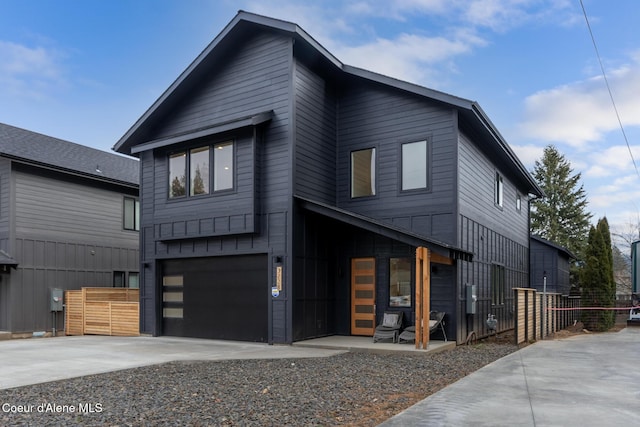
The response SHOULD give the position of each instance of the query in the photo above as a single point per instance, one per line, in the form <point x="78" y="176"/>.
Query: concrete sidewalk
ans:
<point x="38" y="360"/>
<point x="585" y="380"/>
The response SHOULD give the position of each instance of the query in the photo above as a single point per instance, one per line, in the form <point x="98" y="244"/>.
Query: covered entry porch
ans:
<point x="346" y="275"/>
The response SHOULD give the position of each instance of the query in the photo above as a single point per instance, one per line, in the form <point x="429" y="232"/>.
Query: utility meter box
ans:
<point x="472" y="298"/>
<point x="57" y="299"/>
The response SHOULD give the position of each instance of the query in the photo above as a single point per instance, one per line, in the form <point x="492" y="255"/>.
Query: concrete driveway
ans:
<point x="38" y="360"/>
<point x="585" y="380"/>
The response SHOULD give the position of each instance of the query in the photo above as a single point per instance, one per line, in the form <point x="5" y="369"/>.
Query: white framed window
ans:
<point x="414" y="165"/>
<point x="499" y="190"/>
<point x="363" y="173"/>
<point x="131" y="214"/>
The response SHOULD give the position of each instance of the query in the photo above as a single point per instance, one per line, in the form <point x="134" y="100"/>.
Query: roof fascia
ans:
<point x="378" y="227"/>
<point x="273" y="23"/>
<point x="253" y="120"/>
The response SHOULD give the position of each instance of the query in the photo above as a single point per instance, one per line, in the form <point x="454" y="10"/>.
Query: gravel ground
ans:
<point x="361" y="389"/>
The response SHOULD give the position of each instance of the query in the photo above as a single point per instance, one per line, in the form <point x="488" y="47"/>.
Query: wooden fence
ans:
<point x="102" y="311"/>
<point x="529" y="305"/>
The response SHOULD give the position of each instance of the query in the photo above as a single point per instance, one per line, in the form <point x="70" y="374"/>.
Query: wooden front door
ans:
<point x="363" y="296"/>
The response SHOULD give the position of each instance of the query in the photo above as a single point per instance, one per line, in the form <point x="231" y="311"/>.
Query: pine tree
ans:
<point x="598" y="287"/>
<point x="561" y="216"/>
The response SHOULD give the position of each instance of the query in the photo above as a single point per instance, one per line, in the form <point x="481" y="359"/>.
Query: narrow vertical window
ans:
<point x="131" y="214"/>
<point x="118" y="279"/>
<point x="400" y="282"/>
<point x="177" y="174"/>
<point x="518" y="203"/>
<point x="363" y="173"/>
<point x="414" y="165"/>
<point x="199" y="171"/>
<point x="499" y="189"/>
<point x="223" y="166"/>
<point x="497" y="284"/>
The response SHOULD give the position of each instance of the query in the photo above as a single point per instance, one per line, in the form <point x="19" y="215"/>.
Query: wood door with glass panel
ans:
<point x="363" y="296"/>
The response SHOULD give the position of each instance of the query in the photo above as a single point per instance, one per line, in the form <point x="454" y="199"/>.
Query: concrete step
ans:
<point x="5" y="335"/>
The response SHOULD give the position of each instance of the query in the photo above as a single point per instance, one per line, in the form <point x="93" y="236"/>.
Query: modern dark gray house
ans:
<point x="552" y="261"/>
<point x="68" y="219"/>
<point x="284" y="195"/>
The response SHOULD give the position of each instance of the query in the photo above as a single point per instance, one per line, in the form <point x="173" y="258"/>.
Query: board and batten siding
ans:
<point x="495" y="235"/>
<point x="250" y="80"/>
<point x="67" y="235"/>
<point x="371" y="116"/>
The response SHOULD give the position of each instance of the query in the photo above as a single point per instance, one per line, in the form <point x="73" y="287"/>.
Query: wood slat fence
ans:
<point x="529" y="303"/>
<point x="103" y="311"/>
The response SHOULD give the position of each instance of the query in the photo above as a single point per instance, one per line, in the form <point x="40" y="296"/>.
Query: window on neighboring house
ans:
<point x="134" y="280"/>
<point x="363" y="173"/>
<point x="199" y="171"/>
<point x="499" y="189"/>
<point x="497" y="284"/>
<point x="123" y="280"/>
<point x="200" y="164"/>
<point x="400" y="282"/>
<point x="518" y="203"/>
<point x="118" y="279"/>
<point x="223" y="166"/>
<point x="414" y="165"/>
<point x="131" y="214"/>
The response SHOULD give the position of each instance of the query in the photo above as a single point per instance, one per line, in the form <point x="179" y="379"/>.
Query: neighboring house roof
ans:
<point x="561" y="249"/>
<point x="53" y="153"/>
<point x="245" y="23"/>
<point x="7" y="261"/>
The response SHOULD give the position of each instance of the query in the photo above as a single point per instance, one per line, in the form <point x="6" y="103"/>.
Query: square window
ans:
<point x="363" y="173"/>
<point x="414" y="165"/>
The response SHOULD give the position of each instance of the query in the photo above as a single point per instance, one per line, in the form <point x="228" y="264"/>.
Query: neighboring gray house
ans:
<point x="552" y="261"/>
<point x="284" y="194"/>
<point x="68" y="219"/>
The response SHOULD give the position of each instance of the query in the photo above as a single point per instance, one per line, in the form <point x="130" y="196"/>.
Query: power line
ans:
<point x="613" y="102"/>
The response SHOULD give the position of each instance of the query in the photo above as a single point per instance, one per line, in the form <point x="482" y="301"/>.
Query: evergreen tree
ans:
<point x="598" y="287"/>
<point x="561" y="216"/>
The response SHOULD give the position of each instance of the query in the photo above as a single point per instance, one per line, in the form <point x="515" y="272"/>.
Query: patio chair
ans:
<point x="390" y="326"/>
<point x="436" y="320"/>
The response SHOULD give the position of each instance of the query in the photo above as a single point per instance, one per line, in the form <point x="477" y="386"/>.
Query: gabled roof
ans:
<point x="53" y="153"/>
<point x="559" y="248"/>
<point x="245" y="23"/>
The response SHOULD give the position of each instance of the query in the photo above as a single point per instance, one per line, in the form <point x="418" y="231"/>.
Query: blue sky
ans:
<point x="85" y="71"/>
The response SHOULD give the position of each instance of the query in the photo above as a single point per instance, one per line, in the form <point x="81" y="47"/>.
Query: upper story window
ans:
<point x="131" y="214"/>
<point x="518" y="203"/>
<point x="363" y="173"/>
<point x="203" y="165"/>
<point x="499" y="190"/>
<point x="414" y="165"/>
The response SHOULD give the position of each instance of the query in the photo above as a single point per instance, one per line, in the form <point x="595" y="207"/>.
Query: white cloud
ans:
<point x="528" y="154"/>
<point x="28" y="72"/>
<point x="582" y="112"/>
<point x="613" y="161"/>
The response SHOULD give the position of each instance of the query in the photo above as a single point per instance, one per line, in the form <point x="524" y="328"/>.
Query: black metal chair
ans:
<point x="390" y="326"/>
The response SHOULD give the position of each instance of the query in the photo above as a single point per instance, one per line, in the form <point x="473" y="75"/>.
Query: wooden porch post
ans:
<point x="423" y="296"/>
